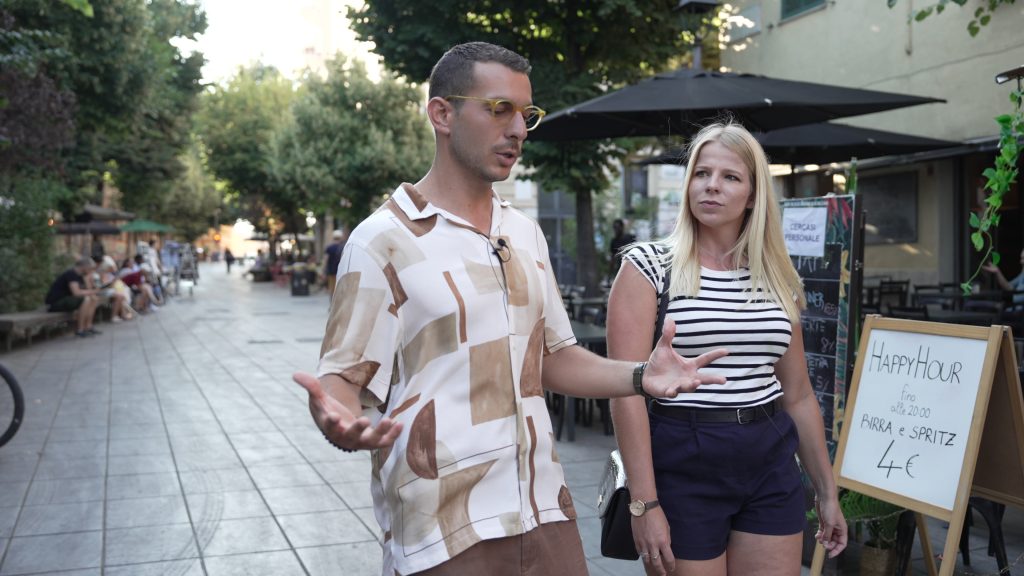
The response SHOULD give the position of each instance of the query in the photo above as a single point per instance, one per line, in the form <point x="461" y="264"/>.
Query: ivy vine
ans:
<point x="982" y="14"/>
<point x="999" y="180"/>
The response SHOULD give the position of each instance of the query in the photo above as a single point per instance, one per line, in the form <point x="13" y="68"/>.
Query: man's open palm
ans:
<point x="339" y="425"/>
<point x="669" y="374"/>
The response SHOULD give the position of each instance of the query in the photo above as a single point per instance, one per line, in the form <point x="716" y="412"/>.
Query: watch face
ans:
<point x="637" y="508"/>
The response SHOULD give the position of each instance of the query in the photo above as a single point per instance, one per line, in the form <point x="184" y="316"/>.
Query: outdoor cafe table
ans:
<point x="970" y="317"/>
<point x="588" y="336"/>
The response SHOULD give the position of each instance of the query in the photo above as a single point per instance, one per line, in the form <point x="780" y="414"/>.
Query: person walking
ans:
<point x="333" y="253"/>
<point x="446" y="326"/>
<point x="229" y="258"/>
<point x="714" y="467"/>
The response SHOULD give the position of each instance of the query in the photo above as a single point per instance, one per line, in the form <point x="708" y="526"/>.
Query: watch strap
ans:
<point x="638" y="379"/>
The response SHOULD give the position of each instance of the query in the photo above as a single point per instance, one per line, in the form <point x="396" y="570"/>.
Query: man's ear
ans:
<point x="441" y="114"/>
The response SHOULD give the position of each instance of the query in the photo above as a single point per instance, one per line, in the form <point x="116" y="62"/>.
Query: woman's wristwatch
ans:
<point x="639" y="507"/>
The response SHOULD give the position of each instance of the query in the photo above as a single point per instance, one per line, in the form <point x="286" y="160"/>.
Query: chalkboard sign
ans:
<point x="831" y="284"/>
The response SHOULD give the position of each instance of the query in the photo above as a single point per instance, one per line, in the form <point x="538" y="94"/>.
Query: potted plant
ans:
<point x="872" y="522"/>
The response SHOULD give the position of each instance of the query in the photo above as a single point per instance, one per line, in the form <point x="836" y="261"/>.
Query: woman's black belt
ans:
<point x="735" y="415"/>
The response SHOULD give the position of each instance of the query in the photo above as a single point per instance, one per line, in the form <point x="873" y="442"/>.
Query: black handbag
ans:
<point x="613" y="510"/>
<point x="613" y="492"/>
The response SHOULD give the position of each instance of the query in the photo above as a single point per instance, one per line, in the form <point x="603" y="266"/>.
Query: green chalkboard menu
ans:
<point x="827" y="251"/>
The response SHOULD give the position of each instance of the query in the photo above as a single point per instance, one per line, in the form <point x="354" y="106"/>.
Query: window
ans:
<point x="791" y="8"/>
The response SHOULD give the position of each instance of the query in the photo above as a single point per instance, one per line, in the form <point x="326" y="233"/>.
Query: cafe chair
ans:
<point x="909" y="312"/>
<point x="893" y="293"/>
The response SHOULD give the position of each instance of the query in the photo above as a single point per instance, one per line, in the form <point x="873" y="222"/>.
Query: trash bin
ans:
<point x="300" y="282"/>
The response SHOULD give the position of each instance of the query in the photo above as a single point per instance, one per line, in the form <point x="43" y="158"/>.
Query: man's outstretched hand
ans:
<point x="669" y="374"/>
<point x="339" y="425"/>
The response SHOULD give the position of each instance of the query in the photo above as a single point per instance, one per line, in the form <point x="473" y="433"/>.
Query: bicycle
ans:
<point x="12" y="406"/>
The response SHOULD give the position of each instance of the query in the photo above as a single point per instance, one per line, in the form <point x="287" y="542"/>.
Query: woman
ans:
<point x="712" y="474"/>
<point x="112" y="287"/>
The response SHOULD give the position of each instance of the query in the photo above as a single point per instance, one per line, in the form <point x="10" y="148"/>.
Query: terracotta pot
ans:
<point x="877" y="561"/>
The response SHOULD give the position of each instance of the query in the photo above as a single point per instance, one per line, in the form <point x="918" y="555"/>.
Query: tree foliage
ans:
<point x="236" y="124"/>
<point x="982" y="12"/>
<point x="351" y="140"/>
<point x="578" y="49"/>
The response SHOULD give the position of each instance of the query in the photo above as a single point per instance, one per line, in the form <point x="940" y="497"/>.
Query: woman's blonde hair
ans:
<point x="760" y="243"/>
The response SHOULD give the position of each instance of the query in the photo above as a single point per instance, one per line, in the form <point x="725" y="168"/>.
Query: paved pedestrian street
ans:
<point x="177" y="444"/>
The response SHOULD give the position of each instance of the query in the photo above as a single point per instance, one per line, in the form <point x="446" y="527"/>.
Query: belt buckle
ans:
<point x="739" y="416"/>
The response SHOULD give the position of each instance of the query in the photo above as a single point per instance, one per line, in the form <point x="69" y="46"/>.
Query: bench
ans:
<point x="28" y="324"/>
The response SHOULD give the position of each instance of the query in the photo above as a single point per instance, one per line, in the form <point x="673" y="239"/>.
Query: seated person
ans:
<point x="69" y="293"/>
<point x="118" y="292"/>
<point x="133" y="276"/>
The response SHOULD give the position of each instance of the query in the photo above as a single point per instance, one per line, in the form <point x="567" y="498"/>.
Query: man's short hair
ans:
<point x="453" y="73"/>
<point x="85" y="263"/>
<point x="337" y="235"/>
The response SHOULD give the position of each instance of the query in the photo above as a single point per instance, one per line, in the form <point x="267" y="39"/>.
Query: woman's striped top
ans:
<point x="756" y="333"/>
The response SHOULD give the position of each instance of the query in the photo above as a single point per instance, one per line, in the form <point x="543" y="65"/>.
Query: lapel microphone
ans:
<point x="502" y="250"/>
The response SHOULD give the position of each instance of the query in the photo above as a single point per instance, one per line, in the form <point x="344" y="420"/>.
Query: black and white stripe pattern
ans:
<point x="756" y="333"/>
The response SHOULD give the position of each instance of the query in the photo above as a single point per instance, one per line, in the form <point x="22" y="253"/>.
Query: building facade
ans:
<point x="918" y="205"/>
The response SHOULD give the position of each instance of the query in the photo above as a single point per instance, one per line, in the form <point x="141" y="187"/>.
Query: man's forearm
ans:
<point x="575" y="371"/>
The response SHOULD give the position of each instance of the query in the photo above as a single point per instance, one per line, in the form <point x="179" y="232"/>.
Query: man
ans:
<point x="333" y="259"/>
<point x="619" y="241"/>
<point x="445" y="328"/>
<point x="70" y="293"/>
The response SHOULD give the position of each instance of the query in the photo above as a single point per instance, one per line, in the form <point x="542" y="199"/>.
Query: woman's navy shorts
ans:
<point x="713" y="478"/>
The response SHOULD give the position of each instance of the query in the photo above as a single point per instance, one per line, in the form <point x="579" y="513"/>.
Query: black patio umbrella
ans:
<point x="825" y="143"/>
<point x="678" y="103"/>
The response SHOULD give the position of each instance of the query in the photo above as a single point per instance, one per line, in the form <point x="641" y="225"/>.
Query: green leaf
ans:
<point x="972" y="28"/>
<point x="966" y="288"/>
<point x="989" y="173"/>
<point x="921" y="15"/>
<point x="996" y="258"/>
<point x="979" y="11"/>
<point x="975" y="222"/>
<point x="977" y="240"/>
<point x="892" y="3"/>
<point x="985" y="19"/>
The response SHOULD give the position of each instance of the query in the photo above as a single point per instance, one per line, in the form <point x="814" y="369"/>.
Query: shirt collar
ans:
<point x="417" y="207"/>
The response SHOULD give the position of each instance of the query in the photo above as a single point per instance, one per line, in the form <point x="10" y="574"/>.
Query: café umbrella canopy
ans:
<point x="826" y="143"/>
<point x="678" y="103"/>
<point x="141" y="225"/>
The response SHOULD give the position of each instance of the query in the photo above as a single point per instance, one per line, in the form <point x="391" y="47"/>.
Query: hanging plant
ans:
<point x="999" y="179"/>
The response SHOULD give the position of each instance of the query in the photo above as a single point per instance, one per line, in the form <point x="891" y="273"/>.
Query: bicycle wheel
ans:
<point x="12" y="406"/>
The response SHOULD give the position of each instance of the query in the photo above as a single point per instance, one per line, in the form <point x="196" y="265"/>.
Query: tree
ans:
<point x="982" y="13"/>
<point x="351" y="141"/>
<point x="236" y="123"/>
<point x="193" y="197"/>
<point x="577" y="48"/>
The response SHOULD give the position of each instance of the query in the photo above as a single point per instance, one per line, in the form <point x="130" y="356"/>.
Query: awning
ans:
<point x="146" y="226"/>
<point x="101" y="213"/>
<point x="83" y="228"/>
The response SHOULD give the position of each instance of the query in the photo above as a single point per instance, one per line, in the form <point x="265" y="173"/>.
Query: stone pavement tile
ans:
<point x="203" y="442"/>
<point x="355" y="494"/>
<point x="241" y="536"/>
<point x="261" y="564"/>
<point x="142" y="486"/>
<point x="60" y="518"/>
<point x="360" y="559"/>
<point x="139" y="446"/>
<point x="213" y="459"/>
<point x="65" y="490"/>
<point x="370" y="520"/>
<point x="214" y="506"/>
<point x="302" y="499"/>
<point x="583" y="476"/>
<point x="321" y="528"/>
<point x="147" y="464"/>
<point x="149" y="544"/>
<point x="17" y="468"/>
<point x="53" y="468"/>
<point x="94" y="433"/>
<point x="34" y="554"/>
<point x="75" y="449"/>
<point x="137" y="512"/>
<point x="247" y="425"/>
<point x="11" y="493"/>
<point x="261" y="439"/>
<point x="283" y="476"/>
<point x="151" y="429"/>
<point x="191" y="567"/>
<point x="270" y="456"/>
<point x="203" y="481"/>
<point x="193" y="428"/>
<point x="8" y="516"/>
<point x="345" y="471"/>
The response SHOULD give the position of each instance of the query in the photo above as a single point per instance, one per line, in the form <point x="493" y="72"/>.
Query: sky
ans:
<point x="287" y="35"/>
